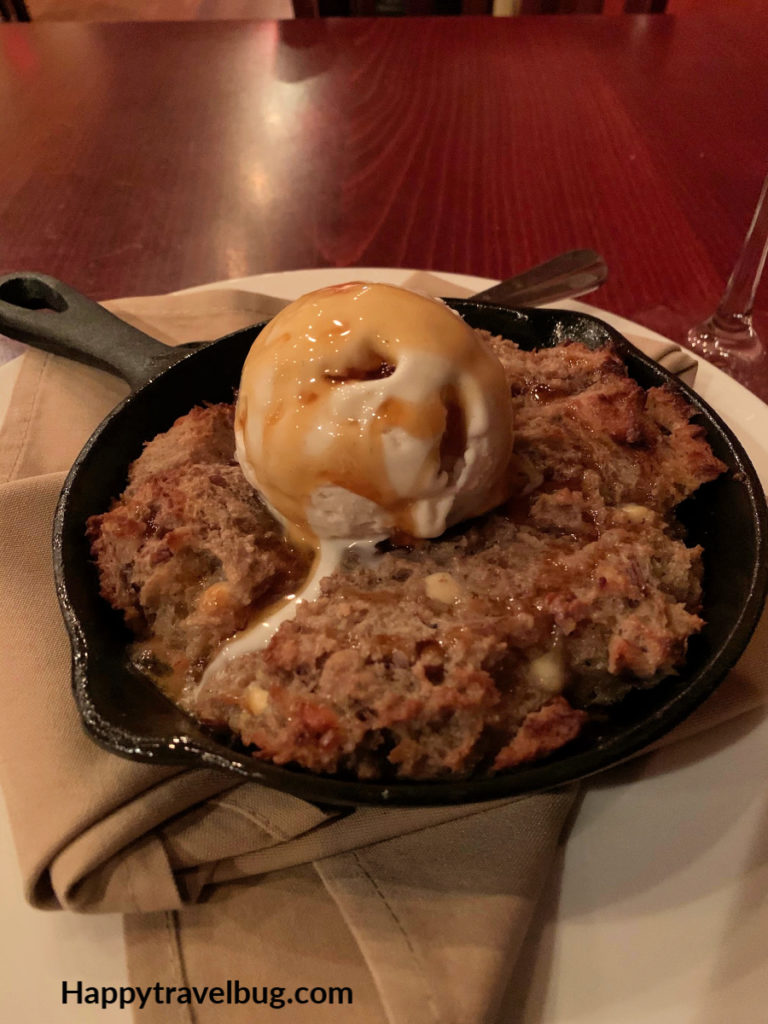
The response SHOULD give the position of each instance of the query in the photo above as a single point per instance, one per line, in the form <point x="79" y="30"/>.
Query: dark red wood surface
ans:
<point x="141" y="158"/>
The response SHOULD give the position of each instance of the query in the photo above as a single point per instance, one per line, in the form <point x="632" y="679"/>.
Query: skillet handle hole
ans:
<point x="30" y="293"/>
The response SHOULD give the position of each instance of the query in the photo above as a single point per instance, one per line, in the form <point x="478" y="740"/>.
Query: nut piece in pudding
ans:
<point x="366" y="409"/>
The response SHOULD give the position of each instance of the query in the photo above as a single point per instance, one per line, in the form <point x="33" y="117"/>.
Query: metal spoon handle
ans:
<point x="566" y="276"/>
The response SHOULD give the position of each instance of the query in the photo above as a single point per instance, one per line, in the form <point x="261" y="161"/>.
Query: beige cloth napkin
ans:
<point x="420" y="912"/>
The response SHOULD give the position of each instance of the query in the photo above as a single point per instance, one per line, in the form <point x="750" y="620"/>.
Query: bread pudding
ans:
<point x="423" y="657"/>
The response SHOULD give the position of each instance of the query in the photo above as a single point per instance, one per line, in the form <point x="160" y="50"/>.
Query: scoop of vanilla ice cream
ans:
<point x="366" y="409"/>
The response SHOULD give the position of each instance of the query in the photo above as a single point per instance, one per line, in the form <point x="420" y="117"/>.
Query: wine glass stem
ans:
<point x="733" y="314"/>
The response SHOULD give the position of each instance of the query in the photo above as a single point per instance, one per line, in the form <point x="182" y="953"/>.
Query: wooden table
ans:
<point x="141" y="158"/>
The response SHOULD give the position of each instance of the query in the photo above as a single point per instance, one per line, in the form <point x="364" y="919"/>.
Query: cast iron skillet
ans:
<point x="125" y="713"/>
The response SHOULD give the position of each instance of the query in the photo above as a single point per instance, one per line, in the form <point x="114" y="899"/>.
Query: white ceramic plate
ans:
<point x="657" y="913"/>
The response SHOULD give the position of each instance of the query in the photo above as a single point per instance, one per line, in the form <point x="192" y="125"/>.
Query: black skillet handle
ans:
<point x="44" y="313"/>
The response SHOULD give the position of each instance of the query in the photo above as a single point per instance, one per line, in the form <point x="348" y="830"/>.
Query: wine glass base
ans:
<point x="726" y="344"/>
<point x="674" y="321"/>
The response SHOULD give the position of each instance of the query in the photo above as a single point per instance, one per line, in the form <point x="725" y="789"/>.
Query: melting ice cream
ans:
<point x="364" y="411"/>
<point x="366" y="408"/>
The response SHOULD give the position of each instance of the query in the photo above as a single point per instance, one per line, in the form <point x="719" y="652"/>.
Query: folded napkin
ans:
<point x="420" y="912"/>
